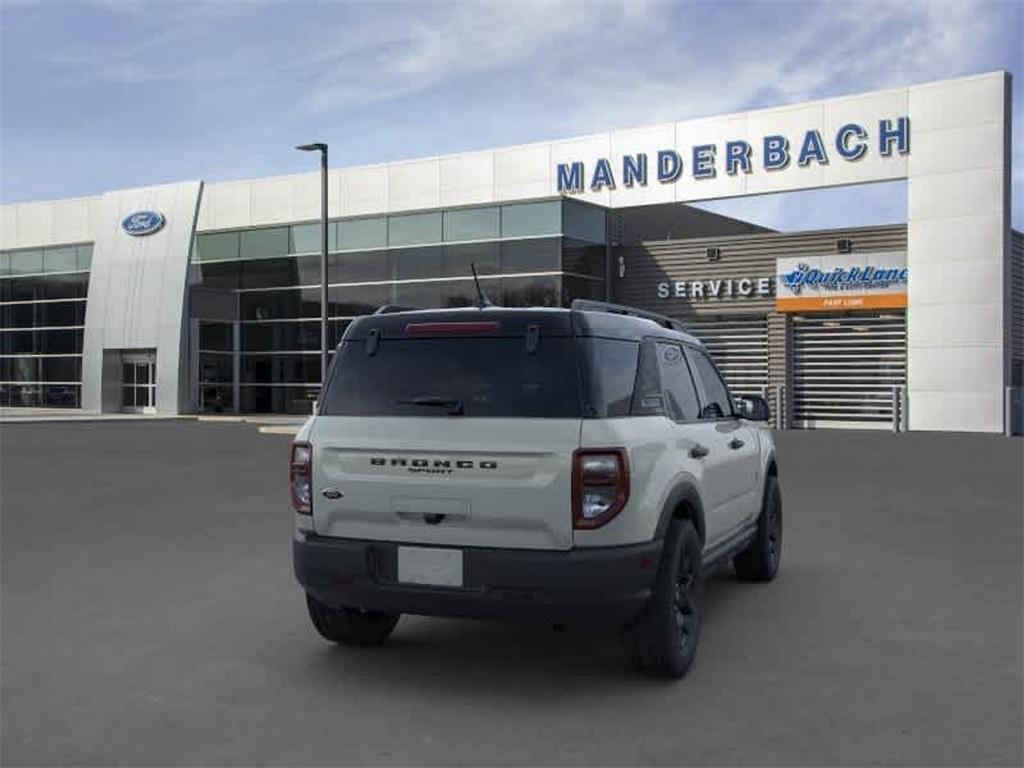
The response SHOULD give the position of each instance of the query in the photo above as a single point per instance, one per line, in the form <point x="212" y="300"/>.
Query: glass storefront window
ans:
<point x="22" y="369"/>
<point x="357" y="234"/>
<point x="419" y="295"/>
<point x="264" y="243"/>
<point x="541" y="255"/>
<point x="84" y="257"/>
<point x="214" y="398"/>
<point x="583" y="259"/>
<point x="414" y="228"/>
<point x="526" y="292"/>
<point x="417" y="263"/>
<point x="305" y="238"/>
<point x="217" y="246"/>
<point x="30" y="369"/>
<point x="218" y="274"/>
<point x="459" y="258"/>
<point x="266" y="399"/>
<point x="280" y="305"/>
<point x="583" y="222"/>
<point x="215" y="368"/>
<point x="530" y="219"/>
<point x="462" y="293"/>
<point x="51" y="287"/>
<point x="60" y="313"/>
<point x="581" y="288"/>
<point x="269" y="273"/>
<point x="471" y="224"/>
<point x="359" y="300"/>
<point x="67" y="369"/>
<point x="359" y="267"/>
<point x="29" y="262"/>
<point x="281" y="369"/>
<point x="36" y="396"/>
<point x="5" y="263"/>
<point x="281" y="337"/>
<point x="215" y="336"/>
<point x="60" y="259"/>
<point x="307" y="269"/>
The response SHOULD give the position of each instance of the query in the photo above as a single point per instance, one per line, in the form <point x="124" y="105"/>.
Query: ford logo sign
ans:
<point x="142" y="223"/>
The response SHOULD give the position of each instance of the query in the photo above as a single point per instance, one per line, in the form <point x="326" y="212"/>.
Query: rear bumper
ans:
<point x="607" y="584"/>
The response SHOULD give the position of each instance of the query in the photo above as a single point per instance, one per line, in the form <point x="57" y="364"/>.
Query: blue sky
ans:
<point x="118" y="93"/>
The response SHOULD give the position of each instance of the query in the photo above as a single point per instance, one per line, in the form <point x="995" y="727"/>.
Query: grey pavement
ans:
<point x="149" y="617"/>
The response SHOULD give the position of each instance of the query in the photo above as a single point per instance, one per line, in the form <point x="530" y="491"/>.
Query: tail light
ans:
<point x="302" y="478"/>
<point x="600" y="485"/>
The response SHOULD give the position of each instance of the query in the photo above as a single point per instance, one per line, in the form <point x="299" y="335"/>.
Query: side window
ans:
<point x="647" y="396"/>
<point x="717" y="402"/>
<point x="676" y="383"/>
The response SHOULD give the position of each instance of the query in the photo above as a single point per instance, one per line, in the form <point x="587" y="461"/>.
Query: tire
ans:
<point x="760" y="561"/>
<point x="666" y="637"/>
<point x="350" y="626"/>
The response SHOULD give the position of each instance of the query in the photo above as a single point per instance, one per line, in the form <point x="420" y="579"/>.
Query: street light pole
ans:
<point x="322" y="149"/>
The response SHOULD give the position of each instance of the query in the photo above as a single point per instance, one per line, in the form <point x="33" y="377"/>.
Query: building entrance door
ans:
<point x="138" y="382"/>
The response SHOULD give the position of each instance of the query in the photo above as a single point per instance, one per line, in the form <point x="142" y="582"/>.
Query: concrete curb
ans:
<point x="281" y="429"/>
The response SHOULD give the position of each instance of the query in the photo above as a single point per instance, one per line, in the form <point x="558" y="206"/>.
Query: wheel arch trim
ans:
<point x="683" y="493"/>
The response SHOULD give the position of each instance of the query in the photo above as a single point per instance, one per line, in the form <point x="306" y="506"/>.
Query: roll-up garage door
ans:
<point x="739" y="346"/>
<point x="845" y="368"/>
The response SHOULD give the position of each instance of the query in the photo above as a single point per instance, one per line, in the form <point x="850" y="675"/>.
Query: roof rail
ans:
<point x="589" y="305"/>
<point x="387" y="309"/>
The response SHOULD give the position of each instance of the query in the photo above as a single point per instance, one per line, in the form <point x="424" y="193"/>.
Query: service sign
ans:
<point x="842" y="281"/>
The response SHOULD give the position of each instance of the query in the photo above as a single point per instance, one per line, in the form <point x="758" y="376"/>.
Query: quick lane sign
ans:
<point x="841" y="282"/>
<point x="772" y="153"/>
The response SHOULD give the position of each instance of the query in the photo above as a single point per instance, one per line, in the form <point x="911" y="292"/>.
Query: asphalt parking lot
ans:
<point x="149" y="617"/>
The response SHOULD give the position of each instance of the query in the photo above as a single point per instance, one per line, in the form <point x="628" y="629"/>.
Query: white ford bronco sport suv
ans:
<point x="557" y="464"/>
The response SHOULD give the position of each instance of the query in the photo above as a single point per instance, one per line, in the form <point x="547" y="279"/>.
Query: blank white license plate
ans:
<point x="438" y="567"/>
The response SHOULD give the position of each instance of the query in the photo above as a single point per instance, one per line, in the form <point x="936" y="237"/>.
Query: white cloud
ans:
<point x="445" y="44"/>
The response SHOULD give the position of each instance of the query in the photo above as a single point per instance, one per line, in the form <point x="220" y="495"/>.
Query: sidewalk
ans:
<point x="268" y="423"/>
<point x="31" y="415"/>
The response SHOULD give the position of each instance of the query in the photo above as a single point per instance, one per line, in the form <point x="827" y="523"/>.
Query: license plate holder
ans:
<point x="430" y="566"/>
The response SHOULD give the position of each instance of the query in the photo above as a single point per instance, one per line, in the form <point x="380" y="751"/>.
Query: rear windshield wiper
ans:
<point x="454" y="405"/>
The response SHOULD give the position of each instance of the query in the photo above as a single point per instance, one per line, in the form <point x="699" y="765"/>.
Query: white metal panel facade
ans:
<point x="137" y="290"/>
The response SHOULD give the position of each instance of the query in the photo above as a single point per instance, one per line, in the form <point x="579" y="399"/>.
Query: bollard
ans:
<point x="904" y="415"/>
<point x="896" y="408"/>
<point x="1013" y="411"/>
<point x="1008" y="412"/>
<point x="778" y="407"/>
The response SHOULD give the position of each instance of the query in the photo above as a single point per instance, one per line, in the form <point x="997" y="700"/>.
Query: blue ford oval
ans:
<point x="142" y="223"/>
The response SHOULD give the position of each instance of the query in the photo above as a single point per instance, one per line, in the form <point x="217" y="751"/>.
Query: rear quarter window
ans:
<point x="610" y="375"/>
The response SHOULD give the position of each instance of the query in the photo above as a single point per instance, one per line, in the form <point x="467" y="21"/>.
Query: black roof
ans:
<point x="584" y="318"/>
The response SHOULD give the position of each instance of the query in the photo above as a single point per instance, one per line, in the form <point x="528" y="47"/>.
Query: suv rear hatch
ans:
<point x="451" y="428"/>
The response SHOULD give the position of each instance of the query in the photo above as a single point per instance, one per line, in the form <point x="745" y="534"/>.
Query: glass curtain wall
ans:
<point x="542" y="253"/>
<point x="42" y="319"/>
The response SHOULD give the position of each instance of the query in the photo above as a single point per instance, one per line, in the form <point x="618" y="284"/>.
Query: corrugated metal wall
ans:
<point x="653" y="262"/>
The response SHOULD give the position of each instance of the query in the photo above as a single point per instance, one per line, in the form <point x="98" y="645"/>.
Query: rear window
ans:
<point x="468" y="376"/>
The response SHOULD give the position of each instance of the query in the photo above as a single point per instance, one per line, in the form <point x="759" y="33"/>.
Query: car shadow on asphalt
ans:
<point x="508" y="656"/>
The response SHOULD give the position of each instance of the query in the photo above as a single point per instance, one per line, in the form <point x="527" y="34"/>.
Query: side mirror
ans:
<point x="754" y="408"/>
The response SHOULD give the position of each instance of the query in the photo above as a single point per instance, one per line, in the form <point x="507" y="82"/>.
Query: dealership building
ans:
<point x="204" y="297"/>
